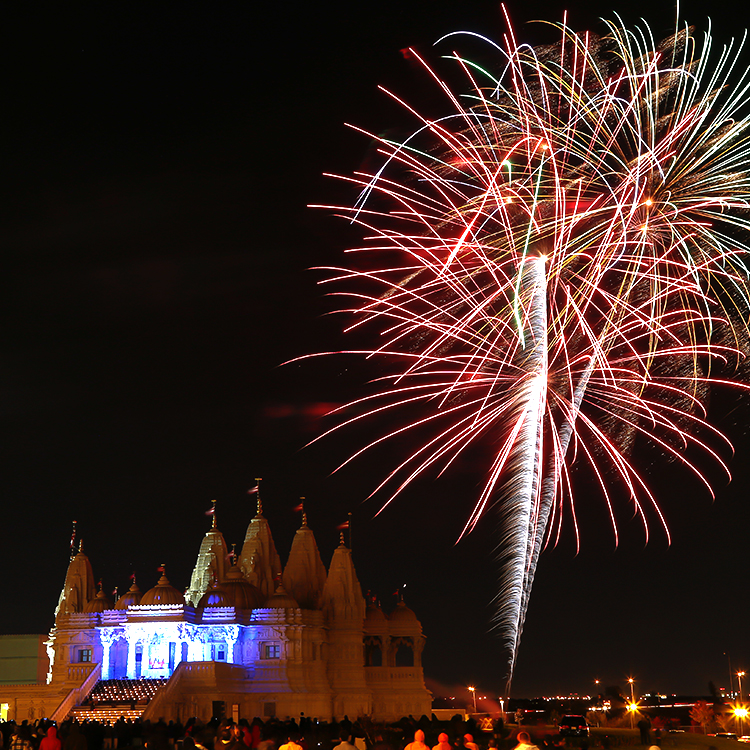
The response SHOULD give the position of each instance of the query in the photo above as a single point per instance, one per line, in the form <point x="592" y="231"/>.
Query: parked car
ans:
<point x="573" y="726"/>
<point x="726" y="735"/>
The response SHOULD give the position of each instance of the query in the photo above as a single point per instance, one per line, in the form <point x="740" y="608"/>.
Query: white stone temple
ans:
<point x="251" y="636"/>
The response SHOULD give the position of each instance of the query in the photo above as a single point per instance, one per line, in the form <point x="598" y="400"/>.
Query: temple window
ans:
<point x="404" y="656"/>
<point x="84" y="655"/>
<point x="271" y="651"/>
<point x="373" y="655"/>
<point x="138" y="661"/>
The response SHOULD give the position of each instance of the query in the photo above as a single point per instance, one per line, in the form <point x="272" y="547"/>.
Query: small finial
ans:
<point x="301" y="506"/>
<point x="80" y="546"/>
<point x="233" y="555"/>
<point x="213" y="515"/>
<point x="256" y="491"/>
<point x="73" y="542"/>
<point x="341" y="539"/>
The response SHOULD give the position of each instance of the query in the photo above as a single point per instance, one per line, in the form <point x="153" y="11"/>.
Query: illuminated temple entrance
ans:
<point x="153" y="649"/>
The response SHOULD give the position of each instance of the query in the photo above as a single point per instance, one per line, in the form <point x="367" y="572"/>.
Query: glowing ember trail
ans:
<point x="556" y="269"/>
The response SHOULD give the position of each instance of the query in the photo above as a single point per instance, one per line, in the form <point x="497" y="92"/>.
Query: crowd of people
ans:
<point x="273" y="734"/>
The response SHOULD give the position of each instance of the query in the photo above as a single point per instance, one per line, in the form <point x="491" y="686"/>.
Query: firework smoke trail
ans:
<point x="522" y="488"/>
<point x="556" y="268"/>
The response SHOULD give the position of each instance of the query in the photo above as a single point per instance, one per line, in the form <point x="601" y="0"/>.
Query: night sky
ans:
<point x="156" y="167"/>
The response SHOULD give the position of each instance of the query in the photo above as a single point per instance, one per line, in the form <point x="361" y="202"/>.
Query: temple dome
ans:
<point x="403" y="621"/>
<point x="133" y="596"/>
<point x="281" y="600"/>
<point x="402" y="614"/>
<point x="162" y="593"/>
<point x="99" y="603"/>
<point x="240" y="592"/>
<point x="214" y="597"/>
<point x="375" y="615"/>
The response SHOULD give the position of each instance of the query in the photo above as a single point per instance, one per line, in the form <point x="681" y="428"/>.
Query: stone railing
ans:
<point x="393" y="675"/>
<point x="197" y="673"/>
<point x="80" y="672"/>
<point x="89" y="675"/>
<point x="154" y="707"/>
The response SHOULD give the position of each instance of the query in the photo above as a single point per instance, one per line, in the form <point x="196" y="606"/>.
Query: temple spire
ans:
<point x="259" y="561"/>
<point x="79" y="587"/>
<point x="211" y="561"/>
<point x="304" y="574"/>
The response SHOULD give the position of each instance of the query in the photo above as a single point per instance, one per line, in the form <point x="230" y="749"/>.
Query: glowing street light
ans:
<point x="473" y="691"/>
<point x="740" y="713"/>
<point x="632" y="708"/>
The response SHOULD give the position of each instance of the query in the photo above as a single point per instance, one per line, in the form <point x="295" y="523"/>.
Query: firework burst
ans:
<point x="555" y="268"/>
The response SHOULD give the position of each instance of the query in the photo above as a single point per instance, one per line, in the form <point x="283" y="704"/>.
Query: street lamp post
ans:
<point x="740" y="675"/>
<point x="473" y="691"/>
<point x="631" y="707"/>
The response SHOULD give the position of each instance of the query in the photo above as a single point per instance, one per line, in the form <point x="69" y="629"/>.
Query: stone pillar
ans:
<point x="130" y="671"/>
<point x="231" y="640"/>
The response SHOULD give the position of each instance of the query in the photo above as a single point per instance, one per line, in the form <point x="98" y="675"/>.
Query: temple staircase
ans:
<point x="111" y="699"/>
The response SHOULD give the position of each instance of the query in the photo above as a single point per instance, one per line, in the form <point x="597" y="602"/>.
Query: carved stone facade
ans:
<point x="262" y="640"/>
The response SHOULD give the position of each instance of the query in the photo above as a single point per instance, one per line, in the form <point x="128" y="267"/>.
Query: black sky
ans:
<point x="156" y="164"/>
